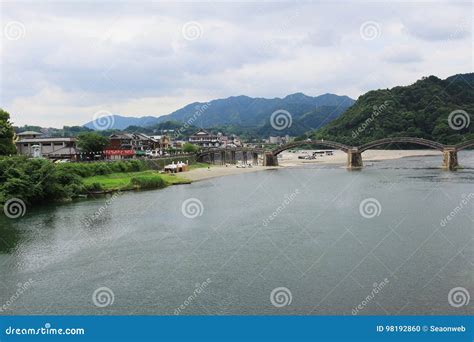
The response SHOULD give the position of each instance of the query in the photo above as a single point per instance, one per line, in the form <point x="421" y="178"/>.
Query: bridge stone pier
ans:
<point x="354" y="158"/>
<point x="224" y="156"/>
<point x="255" y="158"/>
<point x="450" y="158"/>
<point x="269" y="159"/>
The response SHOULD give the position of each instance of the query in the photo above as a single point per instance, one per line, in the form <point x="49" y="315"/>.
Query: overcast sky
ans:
<point x="61" y="62"/>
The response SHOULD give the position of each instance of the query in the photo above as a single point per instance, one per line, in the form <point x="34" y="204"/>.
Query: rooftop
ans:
<point x="43" y="140"/>
<point x="29" y="133"/>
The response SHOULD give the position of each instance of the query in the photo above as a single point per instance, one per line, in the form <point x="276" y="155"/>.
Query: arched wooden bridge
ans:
<point x="354" y="153"/>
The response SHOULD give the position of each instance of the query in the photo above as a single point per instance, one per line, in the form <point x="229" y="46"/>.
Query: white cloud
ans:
<point x="77" y="58"/>
<point x="402" y="54"/>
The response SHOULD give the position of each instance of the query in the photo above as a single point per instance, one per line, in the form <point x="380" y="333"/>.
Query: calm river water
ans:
<point x="309" y="240"/>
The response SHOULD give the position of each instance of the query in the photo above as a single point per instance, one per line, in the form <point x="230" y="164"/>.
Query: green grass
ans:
<point x="123" y="180"/>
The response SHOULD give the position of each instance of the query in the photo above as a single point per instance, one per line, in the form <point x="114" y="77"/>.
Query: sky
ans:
<point x="64" y="61"/>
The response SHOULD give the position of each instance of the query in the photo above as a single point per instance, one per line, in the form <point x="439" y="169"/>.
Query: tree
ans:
<point x="190" y="148"/>
<point x="91" y="142"/>
<point x="7" y="146"/>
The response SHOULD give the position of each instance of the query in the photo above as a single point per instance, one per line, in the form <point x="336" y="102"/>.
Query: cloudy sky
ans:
<point x="61" y="62"/>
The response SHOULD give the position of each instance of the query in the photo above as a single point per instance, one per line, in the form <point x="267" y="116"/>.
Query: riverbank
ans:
<point x="289" y="159"/>
<point x="214" y="171"/>
<point x="124" y="181"/>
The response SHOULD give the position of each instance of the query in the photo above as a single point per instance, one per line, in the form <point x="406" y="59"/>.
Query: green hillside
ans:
<point x="418" y="110"/>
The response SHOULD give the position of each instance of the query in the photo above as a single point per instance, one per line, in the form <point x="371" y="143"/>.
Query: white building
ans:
<point x="204" y="139"/>
<point x="32" y="144"/>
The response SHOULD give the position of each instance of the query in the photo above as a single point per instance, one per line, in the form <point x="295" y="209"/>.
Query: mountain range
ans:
<point x="307" y="113"/>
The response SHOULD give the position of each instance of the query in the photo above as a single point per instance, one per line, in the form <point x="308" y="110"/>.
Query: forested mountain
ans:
<point x="66" y="131"/>
<point x="307" y="113"/>
<point x="431" y="108"/>
<point x="122" y="122"/>
<point x="248" y="111"/>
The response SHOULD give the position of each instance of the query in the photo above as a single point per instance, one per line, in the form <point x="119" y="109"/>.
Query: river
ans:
<point x="317" y="240"/>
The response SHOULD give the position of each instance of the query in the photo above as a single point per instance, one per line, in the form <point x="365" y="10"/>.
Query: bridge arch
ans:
<point x="464" y="145"/>
<point x="322" y="142"/>
<point x="410" y="140"/>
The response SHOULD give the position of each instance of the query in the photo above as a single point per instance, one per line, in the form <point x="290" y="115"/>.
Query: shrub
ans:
<point x="34" y="180"/>
<point x="94" y="187"/>
<point x="148" y="182"/>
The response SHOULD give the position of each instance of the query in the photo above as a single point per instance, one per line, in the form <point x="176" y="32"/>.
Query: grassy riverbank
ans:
<point x="149" y="179"/>
<point x="31" y="181"/>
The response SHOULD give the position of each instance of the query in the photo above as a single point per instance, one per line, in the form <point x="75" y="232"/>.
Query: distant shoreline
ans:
<point x="291" y="160"/>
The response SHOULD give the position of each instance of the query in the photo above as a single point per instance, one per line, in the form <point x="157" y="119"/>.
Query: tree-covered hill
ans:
<point x="246" y="111"/>
<point x="431" y="108"/>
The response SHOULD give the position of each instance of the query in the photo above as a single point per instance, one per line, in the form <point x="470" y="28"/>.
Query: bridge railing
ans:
<point x="409" y="140"/>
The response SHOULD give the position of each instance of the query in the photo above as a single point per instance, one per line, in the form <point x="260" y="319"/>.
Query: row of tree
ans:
<point x="7" y="147"/>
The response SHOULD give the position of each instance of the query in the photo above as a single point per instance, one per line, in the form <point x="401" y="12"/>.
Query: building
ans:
<point x="121" y="141"/>
<point x="279" y="140"/>
<point x="132" y="141"/>
<point x="233" y="141"/>
<point x="29" y="135"/>
<point x="163" y="141"/>
<point x="127" y="145"/>
<point x="32" y="144"/>
<point x="177" y="144"/>
<point x="203" y="138"/>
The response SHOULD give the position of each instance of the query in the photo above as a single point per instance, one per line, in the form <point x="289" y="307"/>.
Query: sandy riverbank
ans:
<point x="289" y="159"/>
<point x="340" y="157"/>
<point x="219" y="171"/>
